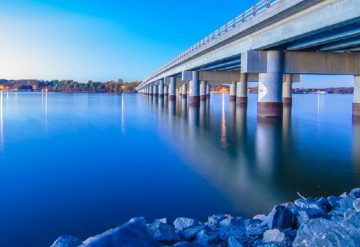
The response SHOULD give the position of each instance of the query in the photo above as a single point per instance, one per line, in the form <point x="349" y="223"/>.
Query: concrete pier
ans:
<point x="172" y="88"/>
<point x="356" y="104"/>
<point x="241" y="90"/>
<point x="208" y="90"/>
<point x="203" y="90"/>
<point x="155" y="90"/>
<point x="184" y="90"/>
<point x="287" y="89"/>
<point x="194" y="93"/>
<point x="166" y="90"/>
<point x="161" y="88"/>
<point x="270" y="87"/>
<point x="233" y="91"/>
<point x="150" y="88"/>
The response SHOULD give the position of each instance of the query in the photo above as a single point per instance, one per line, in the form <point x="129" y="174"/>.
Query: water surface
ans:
<point x="81" y="163"/>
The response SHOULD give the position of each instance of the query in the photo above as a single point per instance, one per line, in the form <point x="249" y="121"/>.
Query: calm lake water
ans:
<point x="81" y="163"/>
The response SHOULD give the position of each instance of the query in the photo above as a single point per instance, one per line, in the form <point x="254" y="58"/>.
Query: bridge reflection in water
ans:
<point x="252" y="160"/>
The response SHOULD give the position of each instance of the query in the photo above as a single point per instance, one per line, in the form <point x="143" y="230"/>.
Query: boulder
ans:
<point x="163" y="220"/>
<point x="255" y="228"/>
<point x="163" y="233"/>
<point x="183" y="223"/>
<point x="66" y="241"/>
<point x="355" y="193"/>
<point x="323" y="232"/>
<point x="356" y="205"/>
<point x="208" y="238"/>
<point x="187" y="244"/>
<point x="191" y="233"/>
<point x="235" y="221"/>
<point x="233" y="242"/>
<point x="320" y="204"/>
<point x="273" y="236"/>
<point x="133" y="233"/>
<point x="217" y="218"/>
<point x="281" y="217"/>
<point x="303" y="216"/>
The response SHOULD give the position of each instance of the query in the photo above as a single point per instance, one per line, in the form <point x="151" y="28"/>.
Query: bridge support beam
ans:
<point x="241" y="90"/>
<point x="194" y="94"/>
<point x="356" y="104"/>
<point x="184" y="90"/>
<point x="287" y="89"/>
<point x="270" y="87"/>
<point x="161" y="88"/>
<point x="203" y="90"/>
<point x="208" y="90"/>
<point x="233" y="91"/>
<point x="172" y="88"/>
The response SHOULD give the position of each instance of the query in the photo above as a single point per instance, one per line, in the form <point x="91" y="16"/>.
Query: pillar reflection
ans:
<point x="1" y="122"/>
<point x="184" y="107"/>
<point x="356" y="146"/>
<point x="202" y="114"/>
<point x="268" y="147"/>
<point x="223" y="129"/>
<point x="240" y="125"/>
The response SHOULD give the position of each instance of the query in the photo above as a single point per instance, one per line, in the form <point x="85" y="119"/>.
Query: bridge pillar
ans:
<point x="203" y="90"/>
<point x="184" y="90"/>
<point x="287" y="89"/>
<point x="194" y="95"/>
<point x="241" y="90"/>
<point x="161" y="88"/>
<point x="233" y="91"/>
<point x="155" y="90"/>
<point x="166" y="90"/>
<point x="356" y="104"/>
<point x="270" y="87"/>
<point x="208" y="90"/>
<point x="172" y="88"/>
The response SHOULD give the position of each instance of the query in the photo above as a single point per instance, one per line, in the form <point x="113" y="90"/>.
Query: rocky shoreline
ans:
<point x="324" y="221"/>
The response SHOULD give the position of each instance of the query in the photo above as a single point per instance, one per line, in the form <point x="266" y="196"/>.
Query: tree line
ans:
<point x="69" y="86"/>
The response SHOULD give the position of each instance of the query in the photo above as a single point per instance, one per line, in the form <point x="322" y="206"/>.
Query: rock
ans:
<point x="261" y="217"/>
<point x="183" y="223"/>
<point x="217" y="218"/>
<point x="355" y="193"/>
<point x="320" y="204"/>
<point x="323" y="232"/>
<point x="333" y="200"/>
<point x="255" y="227"/>
<point x="163" y="233"/>
<point x="343" y="205"/>
<point x="356" y="205"/>
<point x="187" y="244"/>
<point x="66" y="241"/>
<point x="232" y="231"/>
<point x="235" y="221"/>
<point x="303" y="216"/>
<point x="190" y="233"/>
<point x="163" y="220"/>
<point x="280" y="217"/>
<point x="233" y="242"/>
<point x="273" y="236"/>
<point x="133" y="233"/>
<point x="208" y="237"/>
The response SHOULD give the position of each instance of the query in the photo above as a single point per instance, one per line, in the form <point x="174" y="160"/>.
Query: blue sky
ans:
<point x="108" y="39"/>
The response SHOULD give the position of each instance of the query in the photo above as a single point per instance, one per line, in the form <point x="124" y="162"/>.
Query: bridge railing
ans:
<point x="237" y="21"/>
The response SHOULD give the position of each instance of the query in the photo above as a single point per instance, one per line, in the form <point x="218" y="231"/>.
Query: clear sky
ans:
<point x="108" y="39"/>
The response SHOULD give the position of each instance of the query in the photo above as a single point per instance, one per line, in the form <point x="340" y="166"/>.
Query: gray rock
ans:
<point x="233" y="242"/>
<point x="356" y="204"/>
<point x="133" y="233"/>
<point x="183" y="223"/>
<point x="191" y="233"/>
<point x="323" y="232"/>
<point x="255" y="228"/>
<point x="235" y="221"/>
<point x="280" y="217"/>
<point x="187" y="244"/>
<point x="208" y="238"/>
<point x="261" y="217"/>
<point x="66" y="241"/>
<point x="273" y="236"/>
<point x="355" y="193"/>
<point x="163" y="233"/>
<point x="343" y="205"/>
<point x="217" y="218"/>
<point x="303" y="216"/>
<point x="163" y="220"/>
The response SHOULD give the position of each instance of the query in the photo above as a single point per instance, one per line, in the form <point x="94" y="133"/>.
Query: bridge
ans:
<point x="272" y="43"/>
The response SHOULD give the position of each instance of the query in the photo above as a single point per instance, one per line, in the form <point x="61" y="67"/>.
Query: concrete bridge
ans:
<point x="271" y="43"/>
